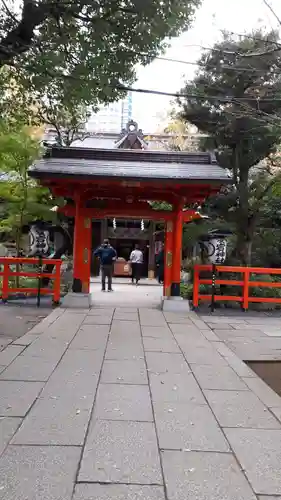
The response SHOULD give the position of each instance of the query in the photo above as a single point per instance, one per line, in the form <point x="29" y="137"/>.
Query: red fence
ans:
<point x="6" y="273"/>
<point x="246" y="283"/>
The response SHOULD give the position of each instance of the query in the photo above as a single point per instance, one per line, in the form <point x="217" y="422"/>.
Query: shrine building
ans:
<point x="109" y="193"/>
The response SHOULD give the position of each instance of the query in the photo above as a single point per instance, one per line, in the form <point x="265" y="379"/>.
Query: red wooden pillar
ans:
<point x="168" y="258"/>
<point x="82" y="251"/>
<point x="177" y="253"/>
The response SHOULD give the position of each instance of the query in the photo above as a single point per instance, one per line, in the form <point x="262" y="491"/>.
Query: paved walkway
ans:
<point x="18" y="317"/>
<point x="117" y="404"/>
<point x="252" y="336"/>
<point x="148" y="294"/>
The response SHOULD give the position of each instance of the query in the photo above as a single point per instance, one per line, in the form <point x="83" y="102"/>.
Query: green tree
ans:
<point x="22" y="200"/>
<point x="87" y="50"/>
<point x="227" y="100"/>
<point x="68" y="122"/>
<point x="19" y="106"/>
<point x="182" y="135"/>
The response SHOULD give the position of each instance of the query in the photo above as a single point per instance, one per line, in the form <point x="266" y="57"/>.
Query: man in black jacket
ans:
<point x="107" y="255"/>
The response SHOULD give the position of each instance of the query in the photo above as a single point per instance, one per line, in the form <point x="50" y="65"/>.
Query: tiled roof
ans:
<point x="129" y="164"/>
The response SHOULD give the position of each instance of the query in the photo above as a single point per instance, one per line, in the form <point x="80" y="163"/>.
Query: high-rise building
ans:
<point x="113" y="117"/>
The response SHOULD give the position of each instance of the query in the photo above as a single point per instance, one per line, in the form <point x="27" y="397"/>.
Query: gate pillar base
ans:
<point x="175" y="304"/>
<point x="76" y="301"/>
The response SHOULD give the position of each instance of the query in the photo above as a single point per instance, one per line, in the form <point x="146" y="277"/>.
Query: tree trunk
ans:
<point x="18" y="241"/>
<point x="243" y="248"/>
<point x="244" y="225"/>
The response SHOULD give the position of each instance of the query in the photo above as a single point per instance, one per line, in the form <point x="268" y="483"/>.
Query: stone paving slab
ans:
<point x="240" y="409"/>
<point x="124" y="372"/>
<point x="125" y="351"/>
<point x="99" y="311"/>
<point x="163" y="362"/>
<point x="202" y="395"/>
<point x="4" y="341"/>
<point x="244" y="333"/>
<point x="62" y="412"/>
<point x="225" y="319"/>
<point x="276" y="412"/>
<point x="28" y="368"/>
<point x="121" y="452"/>
<point x="9" y="354"/>
<point x="211" y="336"/>
<point x="160" y="345"/>
<point x="90" y="338"/>
<point x="191" y="341"/>
<point x="252" y="339"/>
<point x="123" y="402"/>
<point x="117" y="492"/>
<point x="202" y="325"/>
<point x="186" y="331"/>
<point x="123" y="326"/>
<point x="263" y="391"/>
<point x="188" y="427"/>
<point x="262" y="464"/>
<point x="233" y="361"/>
<point x="204" y="476"/>
<point x="16" y="398"/>
<point x="268" y="498"/>
<point x="213" y="377"/>
<point x="26" y="339"/>
<point x="38" y="473"/>
<point x="222" y="326"/>
<point x="125" y="330"/>
<point x="47" y="348"/>
<point x="156" y="332"/>
<point x="97" y="320"/>
<point x="201" y="355"/>
<point x="8" y="427"/>
<point x="76" y="375"/>
<point x="126" y="316"/>
<point x="61" y="421"/>
<point x="173" y="387"/>
<point x="176" y="318"/>
<point x="147" y="319"/>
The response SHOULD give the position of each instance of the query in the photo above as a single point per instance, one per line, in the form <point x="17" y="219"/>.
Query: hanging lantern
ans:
<point x="114" y="224"/>
<point x="39" y="241"/>
<point x="215" y="246"/>
<point x="216" y="250"/>
<point x="142" y="225"/>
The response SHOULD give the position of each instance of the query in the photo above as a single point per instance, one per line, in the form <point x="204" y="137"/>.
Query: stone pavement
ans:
<point x="17" y="317"/>
<point x="148" y="294"/>
<point x="252" y="336"/>
<point x="117" y="404"/>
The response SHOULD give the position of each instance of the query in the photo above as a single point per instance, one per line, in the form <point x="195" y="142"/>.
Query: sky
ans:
<point x="238" y="16"/>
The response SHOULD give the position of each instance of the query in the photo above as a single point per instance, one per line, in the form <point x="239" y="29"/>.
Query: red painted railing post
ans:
<point x="5" y="282"/>
<point x="196" y="286"/>
<point x="57" y="279"/>
<point x="246" y="289"/>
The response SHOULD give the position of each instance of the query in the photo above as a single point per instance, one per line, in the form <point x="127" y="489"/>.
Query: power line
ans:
<point x="222" y="66"/>
<point x="204" y="97"/>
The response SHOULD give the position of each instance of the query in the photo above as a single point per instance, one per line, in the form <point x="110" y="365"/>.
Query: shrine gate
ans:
<point x="120" y="183"/>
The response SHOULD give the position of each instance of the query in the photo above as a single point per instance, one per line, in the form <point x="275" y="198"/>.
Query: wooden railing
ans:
<point x="7" y="288"/>
<point x="245" y="283"/>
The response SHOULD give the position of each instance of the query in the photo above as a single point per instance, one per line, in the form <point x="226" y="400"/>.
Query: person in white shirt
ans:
<point x="136" y="259"/>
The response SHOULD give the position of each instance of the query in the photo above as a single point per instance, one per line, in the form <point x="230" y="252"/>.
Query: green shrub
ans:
<point x="186" y="290"/>
<point x="264" y="291"/>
